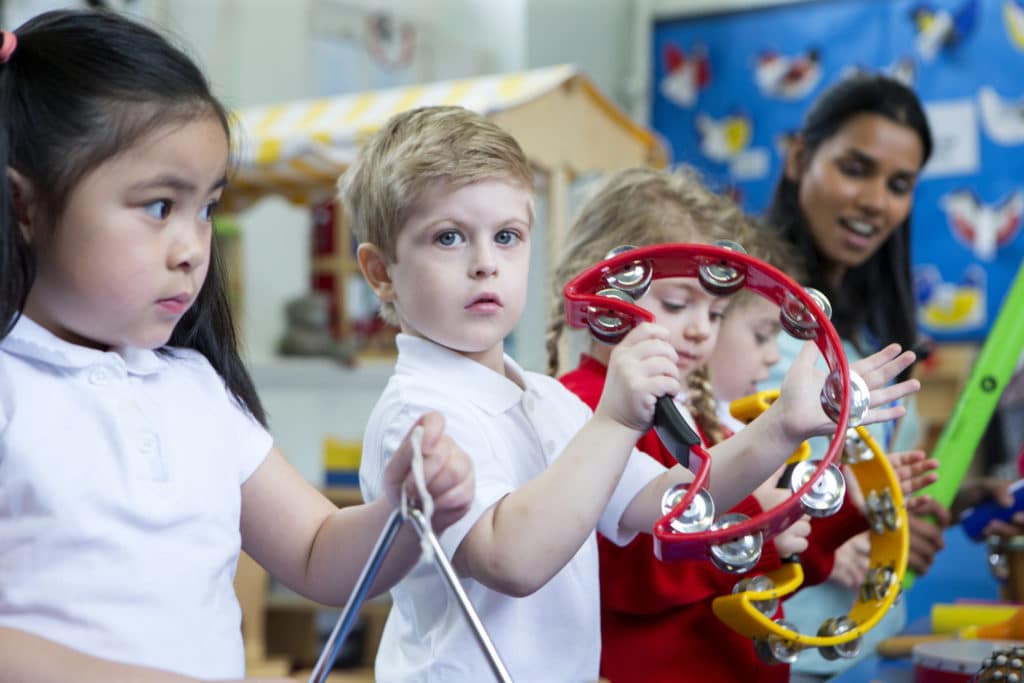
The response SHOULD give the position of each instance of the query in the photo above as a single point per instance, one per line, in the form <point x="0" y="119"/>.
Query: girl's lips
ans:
<point x="175" y="304"/>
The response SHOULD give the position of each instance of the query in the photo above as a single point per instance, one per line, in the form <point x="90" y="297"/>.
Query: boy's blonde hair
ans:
<point x="414" y="150"/>
<point x="642" y="207"/>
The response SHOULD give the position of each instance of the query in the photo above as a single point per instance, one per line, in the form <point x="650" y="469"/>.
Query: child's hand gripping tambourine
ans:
<point x="755" y="599"/>
<point x="602" y="299"/>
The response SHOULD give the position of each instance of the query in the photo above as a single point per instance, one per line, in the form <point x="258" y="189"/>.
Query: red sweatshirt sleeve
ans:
<point x="633" y="580"/>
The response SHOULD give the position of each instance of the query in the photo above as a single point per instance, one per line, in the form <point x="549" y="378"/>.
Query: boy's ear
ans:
<point x="795" y="152"/>
<point x="374" y="265"/>
<point x="23" y="194"/>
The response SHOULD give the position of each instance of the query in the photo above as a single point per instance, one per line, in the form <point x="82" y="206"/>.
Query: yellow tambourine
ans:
<point x="755" y="599"/>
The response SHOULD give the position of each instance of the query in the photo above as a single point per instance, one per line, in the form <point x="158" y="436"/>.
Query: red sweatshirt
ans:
<point x="656" y="618"/>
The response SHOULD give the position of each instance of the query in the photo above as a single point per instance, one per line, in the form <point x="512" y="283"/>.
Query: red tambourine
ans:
<point x="602" y="298"/>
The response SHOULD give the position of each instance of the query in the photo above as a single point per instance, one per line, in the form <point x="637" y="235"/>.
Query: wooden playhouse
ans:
<point x="565" y="125"/>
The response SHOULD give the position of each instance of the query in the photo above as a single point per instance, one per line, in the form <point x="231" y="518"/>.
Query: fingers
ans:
<point x="883" y="395"/>
<point x="881" y="367"/>
<point x="998" y="527"/>
<point x="930" y="506"/>
<point x="450" y="481"/>
<point x="852" y="562"/>
<point x="999" y="490"/>
<point x="925" y="543"/>
<point x="793" y="539"/>
<point x="805" y="359"/>
<point x="914" y="470"/>
<point x="876" y="415"/>
<point x="639" y="372"/>
<point x="876" y="360"/>
<point x="433" y="428"/>
<point x="641" y="333"/>
<point x="787" y="544"/>
<point x="648" y="358"/>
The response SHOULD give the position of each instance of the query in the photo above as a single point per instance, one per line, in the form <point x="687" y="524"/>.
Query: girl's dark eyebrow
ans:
<point x="178" y="183"/>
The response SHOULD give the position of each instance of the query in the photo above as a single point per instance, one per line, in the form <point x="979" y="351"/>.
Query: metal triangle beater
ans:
<point x="387" y="537"/>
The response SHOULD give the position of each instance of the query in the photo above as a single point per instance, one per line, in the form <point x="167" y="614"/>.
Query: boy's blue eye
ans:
<point x="506" y="237"/>
<point x="160" y="209"/>
<point x="449" y="238"/>
<point x="672" y="307"/>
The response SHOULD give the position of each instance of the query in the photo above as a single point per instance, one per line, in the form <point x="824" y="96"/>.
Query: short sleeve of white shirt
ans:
<point x="640" y="470"/>
<point x="253" y="441"/>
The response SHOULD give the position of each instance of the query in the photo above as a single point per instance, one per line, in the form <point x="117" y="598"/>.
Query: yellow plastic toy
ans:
<point x="755" y="599"/>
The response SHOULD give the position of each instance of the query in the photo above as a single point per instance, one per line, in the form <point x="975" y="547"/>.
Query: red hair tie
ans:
<point x="8" y="41"/>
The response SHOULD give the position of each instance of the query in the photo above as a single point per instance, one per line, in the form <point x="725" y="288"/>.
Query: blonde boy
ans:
<point x="440" y="200"/>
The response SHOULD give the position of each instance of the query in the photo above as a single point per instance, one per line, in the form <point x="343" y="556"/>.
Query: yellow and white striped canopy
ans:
<point x="298" y="149"/>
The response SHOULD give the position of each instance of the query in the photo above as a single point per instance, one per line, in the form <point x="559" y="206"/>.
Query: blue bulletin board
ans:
<point x="728" y="88"/>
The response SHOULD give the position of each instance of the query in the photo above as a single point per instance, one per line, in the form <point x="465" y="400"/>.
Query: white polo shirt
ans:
<point x="511" y="435"/>
<point x="120" y="498"/>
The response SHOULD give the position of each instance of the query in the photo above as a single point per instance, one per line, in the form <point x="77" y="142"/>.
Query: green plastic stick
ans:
<point x="992" y="370"/>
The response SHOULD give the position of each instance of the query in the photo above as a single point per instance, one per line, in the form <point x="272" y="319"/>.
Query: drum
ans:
<point x="1006" y="561"/>
<point x="953" y="661"/>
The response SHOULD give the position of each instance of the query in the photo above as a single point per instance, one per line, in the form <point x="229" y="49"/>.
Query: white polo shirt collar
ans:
<point x="491" y="392"/>
<point x="31" y="340"/>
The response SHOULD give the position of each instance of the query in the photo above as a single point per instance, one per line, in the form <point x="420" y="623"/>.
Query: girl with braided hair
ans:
<point x="656" y="618"/>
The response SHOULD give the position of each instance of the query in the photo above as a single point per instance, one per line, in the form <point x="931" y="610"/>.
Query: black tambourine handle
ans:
<point x="674" y="431"/>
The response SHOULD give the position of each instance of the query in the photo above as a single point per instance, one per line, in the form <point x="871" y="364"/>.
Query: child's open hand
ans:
<point x="913" y="470"/>
<point x="448" y="473"/>
<point x="642" y="368"/>
<point x="799" y="396"/>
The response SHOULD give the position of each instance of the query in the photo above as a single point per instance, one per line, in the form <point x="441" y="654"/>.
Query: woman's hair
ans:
<point x="878" y="294"/>
<point x="80" y="88"/>
<point x="642" y="207"/>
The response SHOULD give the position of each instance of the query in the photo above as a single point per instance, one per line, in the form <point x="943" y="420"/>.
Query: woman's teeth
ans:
<point x="861" y="228"/>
